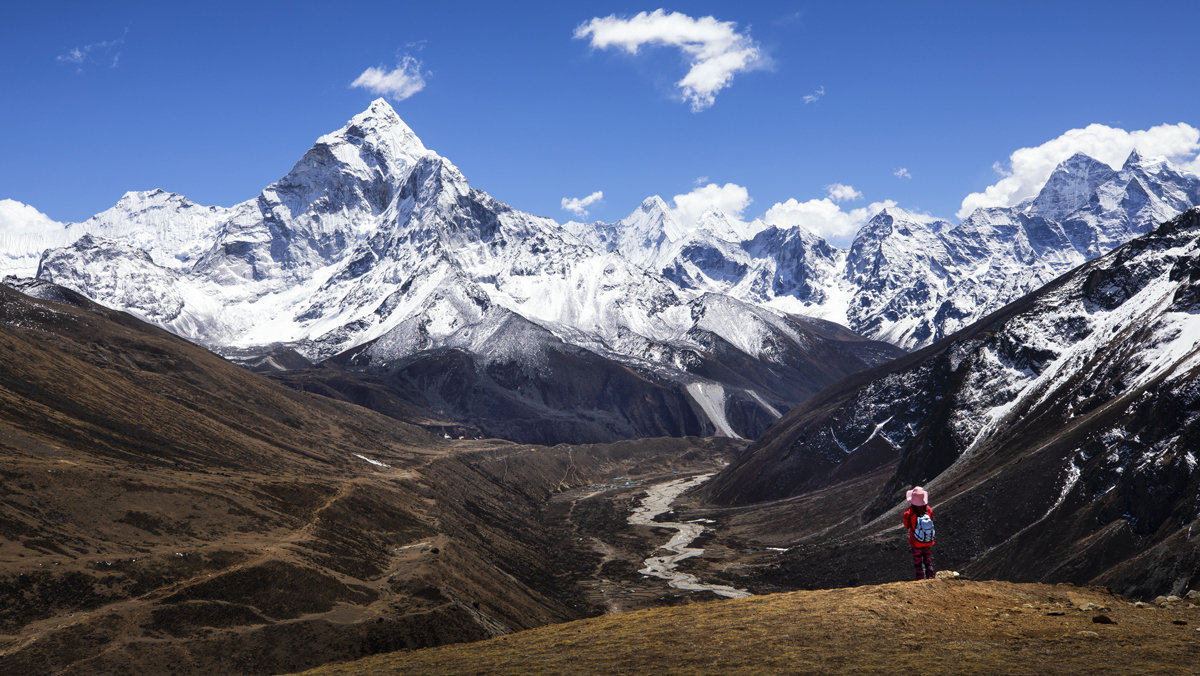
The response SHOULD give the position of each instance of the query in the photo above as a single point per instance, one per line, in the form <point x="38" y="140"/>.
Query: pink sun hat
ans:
<point x="917" y="496"/>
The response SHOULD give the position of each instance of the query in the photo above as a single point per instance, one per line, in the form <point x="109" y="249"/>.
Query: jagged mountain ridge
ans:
<point x="998" y="255"/>
<point x="908" y="278"/>
<point x="1060" y="429"/>
<point x="377" y="246"/>
<point x="372" y="233"/>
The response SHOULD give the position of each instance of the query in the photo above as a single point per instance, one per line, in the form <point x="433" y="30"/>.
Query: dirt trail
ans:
<point x="133" y="610"/>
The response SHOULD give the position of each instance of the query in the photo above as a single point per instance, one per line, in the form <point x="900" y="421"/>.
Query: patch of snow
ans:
<point x="1073" y="472"/>
<point x="711" y="399"/>
<point x="763" y="402"/>
<point x="874" y="432"/>
<point x="838" y="441"/>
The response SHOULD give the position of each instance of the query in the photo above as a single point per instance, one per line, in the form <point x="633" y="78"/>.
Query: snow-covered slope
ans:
<point x="788" y="269"/>
<point x="998" y="255"/>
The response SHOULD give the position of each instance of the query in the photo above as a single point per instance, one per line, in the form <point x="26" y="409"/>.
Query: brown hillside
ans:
<point x="165" y="511"/>
<point x="935" y="626"/>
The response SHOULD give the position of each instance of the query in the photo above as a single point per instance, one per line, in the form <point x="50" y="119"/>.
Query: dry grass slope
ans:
<point x="939" y="626"/>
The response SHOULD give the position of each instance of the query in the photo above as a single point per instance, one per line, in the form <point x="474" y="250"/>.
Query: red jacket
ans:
<point x="910" y="522"/>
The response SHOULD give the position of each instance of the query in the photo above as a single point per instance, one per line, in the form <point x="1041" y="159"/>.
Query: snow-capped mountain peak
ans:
<point x="374" y="240"/>
<point x="642" y="237"/>
<point x="715" y="222"/>
<point x="381" y="124"/>
<point x="653" y="222"/>
<point x="1070" y="186"/>
<point x="1134" y="158"/>
<point x="371" y="232"/>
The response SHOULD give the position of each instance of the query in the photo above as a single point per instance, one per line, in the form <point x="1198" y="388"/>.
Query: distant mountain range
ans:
<point x="374" y="256"/>
<point x="907" y="278"/>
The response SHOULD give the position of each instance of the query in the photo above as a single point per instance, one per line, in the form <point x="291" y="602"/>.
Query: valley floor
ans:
<point x="933" y="626"/>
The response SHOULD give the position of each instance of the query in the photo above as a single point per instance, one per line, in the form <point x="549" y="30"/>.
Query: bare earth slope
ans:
<point x="937" y="626"/>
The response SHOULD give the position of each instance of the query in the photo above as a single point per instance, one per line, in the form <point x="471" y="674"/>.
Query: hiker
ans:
<point x="918" y="519"/>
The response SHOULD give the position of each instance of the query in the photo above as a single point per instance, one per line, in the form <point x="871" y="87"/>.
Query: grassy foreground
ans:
<point x="936" y="626"/>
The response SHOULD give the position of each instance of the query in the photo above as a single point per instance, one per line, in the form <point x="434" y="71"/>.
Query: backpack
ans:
<point x="923" y="532"/>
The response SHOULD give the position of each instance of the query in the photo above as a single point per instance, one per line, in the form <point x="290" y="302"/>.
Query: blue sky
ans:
<point x="217" y="100"/>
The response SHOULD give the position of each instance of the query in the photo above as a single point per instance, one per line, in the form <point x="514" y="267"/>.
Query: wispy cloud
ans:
<point x="815" y="96"/>
<point x="399" y="84"/>
<point x="715" y="48"/>
<point x="791" y="18"/>
<point x="106" y="52"/>
<point x="901" y="172"/>
<point x="579" y="205"/>
<point x="1030" y="167"/>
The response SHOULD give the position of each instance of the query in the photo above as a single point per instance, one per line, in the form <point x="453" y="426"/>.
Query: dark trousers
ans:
<point x="923" y="562"/>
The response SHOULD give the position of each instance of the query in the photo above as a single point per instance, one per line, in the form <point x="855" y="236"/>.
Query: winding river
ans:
<point x="657" y="501"/>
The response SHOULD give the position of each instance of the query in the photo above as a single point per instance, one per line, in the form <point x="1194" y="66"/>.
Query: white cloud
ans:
<point x="823" y="217"/>
<point x="839" y="192"/>
<point x="399" y="84"/>
<point x="1030" y="167"/>
<point x="902" y="172"/>
<point x="715" y="49"/>
<point x="579" y="205"/>
<point x="730" y="199"/>
<point x="18" y="217"/>
<point x="815" y="96"/>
